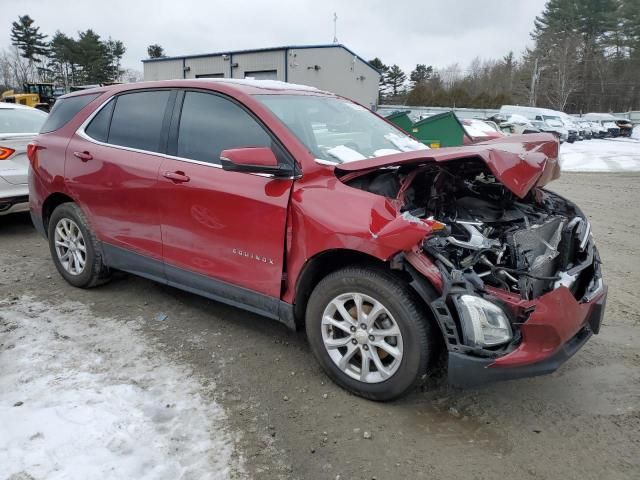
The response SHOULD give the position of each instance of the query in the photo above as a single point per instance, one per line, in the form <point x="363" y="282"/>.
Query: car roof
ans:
<point x="248" y="86"/>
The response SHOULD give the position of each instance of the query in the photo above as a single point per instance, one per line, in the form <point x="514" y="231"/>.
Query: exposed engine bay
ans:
<point x="525" y="246"/>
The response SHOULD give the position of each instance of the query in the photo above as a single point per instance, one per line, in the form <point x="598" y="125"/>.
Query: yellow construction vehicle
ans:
<point x="37" y="95"/>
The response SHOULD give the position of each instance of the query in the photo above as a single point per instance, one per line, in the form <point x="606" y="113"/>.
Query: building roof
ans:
<point x="259" y="50"/>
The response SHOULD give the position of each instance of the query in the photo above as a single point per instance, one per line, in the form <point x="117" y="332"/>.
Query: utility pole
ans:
<point x="534" y="80"/>
<point x="335" y="27"/>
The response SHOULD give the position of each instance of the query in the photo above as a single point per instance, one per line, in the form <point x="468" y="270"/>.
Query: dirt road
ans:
<point x="581" y="422"/>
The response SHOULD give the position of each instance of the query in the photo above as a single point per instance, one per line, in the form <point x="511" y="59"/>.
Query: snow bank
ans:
<point x="610" y="155"/>
<point x="84" y="397"/>
<point x="635" y="133"/>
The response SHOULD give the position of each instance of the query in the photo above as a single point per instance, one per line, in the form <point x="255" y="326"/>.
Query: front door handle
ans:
<point x="177" y="177"/>
<point x="84" y="156"/>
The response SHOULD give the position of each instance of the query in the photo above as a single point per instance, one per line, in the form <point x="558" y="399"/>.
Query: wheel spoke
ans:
<point x="344" y="361"/>
<point x="384" y="373"/>
<point x="79" y="261"/>
<point x="392" y="331"/>
<point x="60" y="232"/>
<point x="72" y="262"/>
<point x="365" y="366"/>
<point x="390" y="349"/>
<point x="337" y="342"/>
<point x="344" y="326"/>
<point x="344" y="313"/>
<point x="375" y="312"/>
<point x="357" y="299"/>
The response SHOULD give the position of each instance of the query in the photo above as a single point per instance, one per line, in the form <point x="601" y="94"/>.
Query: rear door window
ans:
<point x="210" y="124"/>
<point x="137" y="120"/>
<point x="64" y="110"/>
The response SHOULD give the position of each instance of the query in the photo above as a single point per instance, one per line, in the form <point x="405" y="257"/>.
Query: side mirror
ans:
<point x="253" y="160"/>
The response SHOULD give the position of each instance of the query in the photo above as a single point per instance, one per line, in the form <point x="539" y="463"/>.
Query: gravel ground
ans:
<point x="292" y="422"/>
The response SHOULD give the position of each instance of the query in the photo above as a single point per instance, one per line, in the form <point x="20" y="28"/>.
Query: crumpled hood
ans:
<point x="519" y="162"/>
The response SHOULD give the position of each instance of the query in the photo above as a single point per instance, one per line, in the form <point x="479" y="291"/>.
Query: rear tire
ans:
<point x="388" y="357"/>
<point x="74" y="248"/>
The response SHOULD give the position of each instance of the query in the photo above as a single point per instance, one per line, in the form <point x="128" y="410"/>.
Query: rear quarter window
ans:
<point x="98" y="128"/>
<point x="64" y="110"/>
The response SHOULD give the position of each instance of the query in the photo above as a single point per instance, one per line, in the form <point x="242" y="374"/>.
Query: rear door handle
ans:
<point x="177" y="177"/>
<point x="84" y="156"/>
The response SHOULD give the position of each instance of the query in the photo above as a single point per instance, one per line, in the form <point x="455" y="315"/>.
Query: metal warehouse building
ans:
<point x="329" y="67"/>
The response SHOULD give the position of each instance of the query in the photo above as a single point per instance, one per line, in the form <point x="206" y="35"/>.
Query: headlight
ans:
<point x="484" y="324"/>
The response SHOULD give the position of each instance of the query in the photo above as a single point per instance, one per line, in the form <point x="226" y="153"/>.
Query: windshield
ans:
<point x="21" y="120"/>
<point x="336" y="130"/>
<point x="553" y="121"/>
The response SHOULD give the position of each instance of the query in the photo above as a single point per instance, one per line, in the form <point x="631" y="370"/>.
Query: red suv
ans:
<point x="307" y="208"/>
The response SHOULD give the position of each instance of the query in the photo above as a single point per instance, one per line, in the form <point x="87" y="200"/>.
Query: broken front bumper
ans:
<point x="558" y="327"/>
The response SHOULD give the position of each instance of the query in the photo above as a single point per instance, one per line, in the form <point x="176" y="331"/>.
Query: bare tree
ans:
<point x="560" y="76"/>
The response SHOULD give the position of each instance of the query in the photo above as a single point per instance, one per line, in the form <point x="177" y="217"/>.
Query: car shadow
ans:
<point x="16" y="224"/>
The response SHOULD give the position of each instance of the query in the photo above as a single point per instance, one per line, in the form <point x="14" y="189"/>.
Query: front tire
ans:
<point x="370" y="333"/>
<point x="74" y="247"/>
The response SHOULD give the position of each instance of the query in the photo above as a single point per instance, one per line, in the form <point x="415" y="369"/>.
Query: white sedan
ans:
<point x="18" y="126"/>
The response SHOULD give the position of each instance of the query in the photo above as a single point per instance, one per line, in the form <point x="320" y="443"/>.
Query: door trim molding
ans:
<point x="203" y="285"/>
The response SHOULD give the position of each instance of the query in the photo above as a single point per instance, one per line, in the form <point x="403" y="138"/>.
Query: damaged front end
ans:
<point x="516" y="278"/>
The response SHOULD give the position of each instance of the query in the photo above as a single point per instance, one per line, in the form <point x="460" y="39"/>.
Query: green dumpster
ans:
<point x="401" y="120"/>
<point x="441" y="130"/>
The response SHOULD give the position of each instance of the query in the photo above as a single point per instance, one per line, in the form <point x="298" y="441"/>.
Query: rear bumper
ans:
<point x="555" y="333"/>
<point x="13" y="198"/>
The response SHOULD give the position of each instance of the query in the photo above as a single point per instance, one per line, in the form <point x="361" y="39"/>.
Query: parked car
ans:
<point x="598" y="129"/>
<point x="551" y="117"/>
<point x="18" y="126"/>
<point x="625" y="126"/>
<point x="612" y="128"/>
<point x="480" y="130"/>
<point x="558" y="130"/>
<point x="308" y="208"/>
<point x="572" y="126"/>
<point x="585" y="126"/>
<point x="518" y="125"/>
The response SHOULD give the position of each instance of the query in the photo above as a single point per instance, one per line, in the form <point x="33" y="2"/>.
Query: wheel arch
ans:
<point x="321" y="265"/>
<point x="50" y="204"/>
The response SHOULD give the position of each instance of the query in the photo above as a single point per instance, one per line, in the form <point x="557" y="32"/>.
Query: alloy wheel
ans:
<point x="70" y="246"/>
<point x="362" y="337"/>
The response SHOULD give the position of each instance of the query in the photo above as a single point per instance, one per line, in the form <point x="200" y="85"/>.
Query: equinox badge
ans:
<point x="259" y="258"/>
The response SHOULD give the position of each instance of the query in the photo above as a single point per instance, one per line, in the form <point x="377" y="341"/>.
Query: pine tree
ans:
<point x="156" y="51"/>
<point x="383" y="69"/>
<point x="27" y="37"/>
<point x="93" y="58"/>
<point x="395" y="78"/>
<point x="421" y="74"/>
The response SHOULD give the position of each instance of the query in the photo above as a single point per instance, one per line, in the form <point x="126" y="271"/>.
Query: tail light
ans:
<point x="32" y="149"/>
<point x="6" y="152"/>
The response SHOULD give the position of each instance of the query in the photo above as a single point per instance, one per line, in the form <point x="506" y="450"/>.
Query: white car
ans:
<point x="18" y="126"/>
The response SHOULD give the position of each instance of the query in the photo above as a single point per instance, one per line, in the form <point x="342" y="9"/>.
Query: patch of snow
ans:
<point x="405" y="143"/>
<point x="385" y="151"/>
<point x="345" y="154"/>
<point x="608" y="155"/>
<point x="84" y="397"/>
<point x="635" y="133"/>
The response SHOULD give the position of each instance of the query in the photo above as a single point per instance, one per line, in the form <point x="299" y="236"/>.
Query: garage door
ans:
<point x="262" y="75"/>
